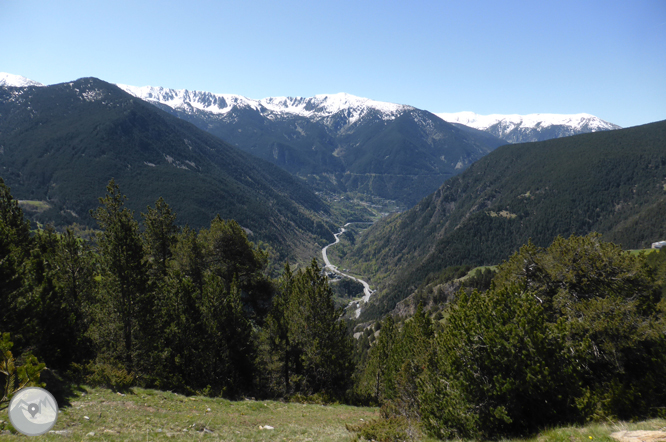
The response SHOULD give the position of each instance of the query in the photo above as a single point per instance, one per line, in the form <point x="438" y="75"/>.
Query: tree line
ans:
<point x="150" y="303"/>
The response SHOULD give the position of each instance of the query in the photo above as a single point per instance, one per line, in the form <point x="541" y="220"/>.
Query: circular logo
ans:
<point x="33" y="411"/>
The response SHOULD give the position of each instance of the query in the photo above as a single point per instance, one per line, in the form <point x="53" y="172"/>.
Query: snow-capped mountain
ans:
<point x="337" y="142"/>
<point x="532" y="127"/>
<point x="314" y="108"/>
<point x="12" y="80"/>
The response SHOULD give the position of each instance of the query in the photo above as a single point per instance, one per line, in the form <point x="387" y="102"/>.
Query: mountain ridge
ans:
<point x="325" y="105"/>
<point x="515" y="128"/>
<point x="317" y="107"/>
<point x="336" y="142"/>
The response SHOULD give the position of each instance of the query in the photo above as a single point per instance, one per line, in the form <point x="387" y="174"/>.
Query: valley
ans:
<point x="608" y="182"/>
<point x="367" y="292"/>
<point x="166" y="246"/>
<point x="353" y="160"/>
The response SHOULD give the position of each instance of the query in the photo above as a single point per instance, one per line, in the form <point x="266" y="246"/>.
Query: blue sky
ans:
<point x="607" y="58"/>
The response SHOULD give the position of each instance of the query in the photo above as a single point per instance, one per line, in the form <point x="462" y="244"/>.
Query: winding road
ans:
<point x="366" y="287"/>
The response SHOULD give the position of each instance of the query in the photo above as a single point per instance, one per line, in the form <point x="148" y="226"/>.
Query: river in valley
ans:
<point x="367" y="292"/>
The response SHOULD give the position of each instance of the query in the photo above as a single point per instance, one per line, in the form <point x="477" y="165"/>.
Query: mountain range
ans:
<point x="339" y="142"/>
<point x="532" y="127"/>
<point x="343" y="143"/>
<point x="611" y="182"/>
<point x="61" y="144"/>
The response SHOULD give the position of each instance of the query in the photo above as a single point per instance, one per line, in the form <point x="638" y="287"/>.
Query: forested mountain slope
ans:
<point x="61" y="145"/>
<point x="610" y="182"/>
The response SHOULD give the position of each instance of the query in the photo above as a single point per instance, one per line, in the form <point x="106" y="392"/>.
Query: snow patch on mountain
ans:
<point x="317" y="107"/>
<point x="12" y="80"/>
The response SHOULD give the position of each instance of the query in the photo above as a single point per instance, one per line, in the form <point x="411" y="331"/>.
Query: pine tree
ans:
<point x="276" y="336"/>
<point x="58" y="285"/>
<point x="160" y="237"/>
<point x="317" y="331"/>
<point x="412" y="353"/>
<point x="15" y="244"/>
<point x="240" y="342"/>
<point x="379" y="374"/>
<point x="564" y="335"/>
<point x="205" y="339"/>
<point x="74" y="267"/>
<point x="229" y="254"/>
<point x="305" y="345"/>
<point x="124" y="274"/>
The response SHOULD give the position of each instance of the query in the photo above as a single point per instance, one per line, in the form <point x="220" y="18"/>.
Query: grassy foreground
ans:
<point x="147" y="415"/>
<point x="156" y="415"/>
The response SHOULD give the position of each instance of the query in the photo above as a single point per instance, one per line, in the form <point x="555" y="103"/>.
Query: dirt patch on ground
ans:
<point x="639" y="436"/>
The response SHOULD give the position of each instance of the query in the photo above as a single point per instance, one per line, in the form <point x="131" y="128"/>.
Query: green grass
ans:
<point x="473" y="271"/>
<point x="34" y="206"/>
<point x="593" y="432"/>
<point x="639" y="251"/>
<point x="398" y="429"/>
<point x="155" y="415"/>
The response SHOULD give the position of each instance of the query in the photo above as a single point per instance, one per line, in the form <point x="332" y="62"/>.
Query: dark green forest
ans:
<point x="610" y="182"/>
<point x="561" y="335"/>
<point x="157" y="305"/>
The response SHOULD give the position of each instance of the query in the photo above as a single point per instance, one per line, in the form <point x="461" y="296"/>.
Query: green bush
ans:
<point x="109" y="375"/>
<point x="16" y="373"/>
<point x="500" y="368"/>
<point x="393" y="429"/>
<point x="566" y="334"/>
